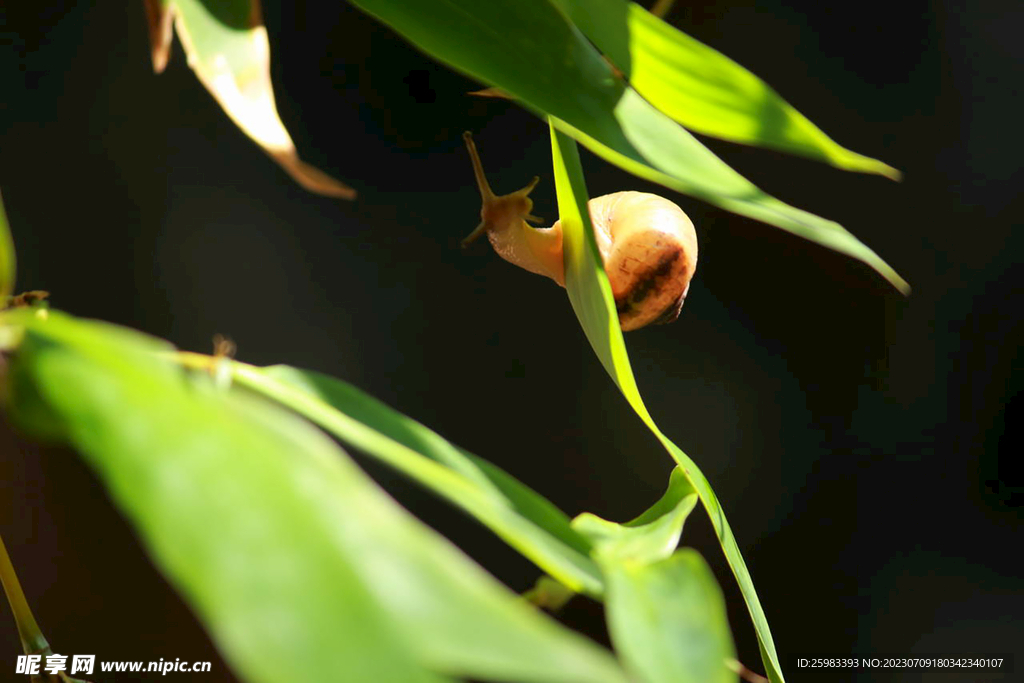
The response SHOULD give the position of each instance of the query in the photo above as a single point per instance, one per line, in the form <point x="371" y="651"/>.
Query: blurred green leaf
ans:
<point x="703" y="89"/>
<point x="549" y="594"/>
<point x="7" y="260"/>
<point x="227" y="47"/>
<point x="530" y="50"/>
<point x="591" y="298"/>
<point x="300" y="566"/>
<point x="667" y="620"/>
<point x="524" y="519"/>
<point x="208" y="482"/>
<point x="652" y="536"/>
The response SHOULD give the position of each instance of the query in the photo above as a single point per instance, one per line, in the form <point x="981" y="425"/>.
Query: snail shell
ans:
<point x="647" y="243"/>
<point x="649" y="249"/>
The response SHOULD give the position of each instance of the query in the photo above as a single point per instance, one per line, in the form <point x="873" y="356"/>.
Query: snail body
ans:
<point x="648" y="245"/>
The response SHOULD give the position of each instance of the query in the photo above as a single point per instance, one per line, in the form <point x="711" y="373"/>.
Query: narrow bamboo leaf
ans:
<point x="7" y="260"/>
<point x="211" y="488"/>
<point x="521" y="517"/>
<point x="423" y="441"/>
<point x="667" y="620"/>
<point x="650" y="537"/>
<point x="532" y="505"/>
<point x="703" y="89"/>
<point x="662" y="152"/>
<point x="590" y="294"/>
<point x="227" y="47"/>
<point x="530" y="50"/>
<point x="296" y="561"/>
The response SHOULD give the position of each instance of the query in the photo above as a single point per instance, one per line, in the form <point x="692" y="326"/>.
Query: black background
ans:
<point x="859" y="441"/>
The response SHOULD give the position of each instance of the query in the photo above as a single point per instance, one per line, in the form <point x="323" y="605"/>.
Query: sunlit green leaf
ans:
<point x="227" y="47"/>
<point x="7" y="262"/>
<point x="524" y="519"/>
<point x="300" y="566"/>
<point x="208" y="483"/>
<point x="590" y="294"/>
<point x="652" y="536"/>
<point x="666" y="614"/>
<point x="667" y="620"/>
<point x="530" y="50"/>
<point x="702" y="88"/>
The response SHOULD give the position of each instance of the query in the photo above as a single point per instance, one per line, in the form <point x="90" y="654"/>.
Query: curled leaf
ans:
<point x="227" y="47"/>
<point x="650" y="537"/>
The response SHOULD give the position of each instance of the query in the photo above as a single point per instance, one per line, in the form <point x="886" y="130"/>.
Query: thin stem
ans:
<point x="745" y="673"/>
<point x="32" y="639"/>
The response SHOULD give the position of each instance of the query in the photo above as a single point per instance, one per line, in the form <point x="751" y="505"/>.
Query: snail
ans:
<point x="647" y="243"/>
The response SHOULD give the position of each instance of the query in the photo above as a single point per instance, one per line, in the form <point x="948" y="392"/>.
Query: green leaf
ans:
<point x="549" y="594"/>
<point x="227" y="47"/>
<point x="530" y="50"/>
<point x="224" y="514"/>
<point x="7" y="261"/>
<point x="591" y="298"/>
<point x="652" y="536"/>
<point x="666" y="614"/>
<point x="667" y="620"/>
<point x="524" y="519"/>
<point x="294" y="559"/>
<point x="703" y="89"/>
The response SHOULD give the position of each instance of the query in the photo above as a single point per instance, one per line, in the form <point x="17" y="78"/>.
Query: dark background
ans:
<point x="859" y="441"/>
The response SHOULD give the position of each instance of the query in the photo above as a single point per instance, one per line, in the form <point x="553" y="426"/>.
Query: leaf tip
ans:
<point x="159" y="20"/>
<point x="311" y="177"/>
<point x="890" y="172"/>
<point x="491" y="92"/>
<point x="895" y="279"/>
<point x="852" y="161"/>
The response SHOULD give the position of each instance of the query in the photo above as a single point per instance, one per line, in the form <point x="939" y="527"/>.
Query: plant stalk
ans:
<point x="32" y="639"/>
